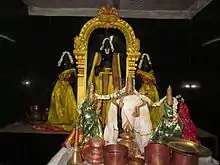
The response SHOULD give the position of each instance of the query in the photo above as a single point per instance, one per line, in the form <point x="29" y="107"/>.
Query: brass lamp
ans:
<point x="76" y="158"/>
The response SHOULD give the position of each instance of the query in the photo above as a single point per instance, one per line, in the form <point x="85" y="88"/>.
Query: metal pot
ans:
<point x="179" y="158"/>
<point x="34" y="113"/>
<point x="157" y="154"/>
<point x="115" y="154"/>
<point x="93" y="154"/>
<point x="128" y="141"/>
<point x="185" y="152"/>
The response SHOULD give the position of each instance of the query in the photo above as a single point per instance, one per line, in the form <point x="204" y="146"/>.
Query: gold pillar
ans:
<point x="81" y="76"/>
<point x="131" y="64"/>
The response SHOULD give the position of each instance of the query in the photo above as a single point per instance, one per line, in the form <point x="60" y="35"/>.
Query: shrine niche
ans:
<point x="107" y="18"/>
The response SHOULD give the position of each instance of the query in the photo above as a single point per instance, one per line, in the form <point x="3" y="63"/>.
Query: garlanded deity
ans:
<point x="149" y="87"/>
<point x="190" y="132"/>
<point x="170" y="125"/>
<point x="88" y="121"/>
<point x="63" y="109"/>
<point x="134" y="114"/>
<point x="106" y="73"/>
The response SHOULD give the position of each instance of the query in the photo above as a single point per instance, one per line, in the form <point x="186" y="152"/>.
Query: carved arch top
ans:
<point x="107" y="18"/>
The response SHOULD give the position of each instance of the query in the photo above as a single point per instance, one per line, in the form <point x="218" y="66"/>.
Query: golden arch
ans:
<point x="107" y="17"/>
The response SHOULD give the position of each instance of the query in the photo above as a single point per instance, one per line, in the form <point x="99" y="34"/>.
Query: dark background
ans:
<point x="175" y="47"/>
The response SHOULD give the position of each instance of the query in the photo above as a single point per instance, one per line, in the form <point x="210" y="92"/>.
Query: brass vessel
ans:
<point x="189" y="147"/>
<point x="157" y="154"/>
<point x="34" y="115"/>
<point x="94" y="153"/>
<point x="76" y="158"/>
<point x="128" y="141"/>
<point x="115" y="154"/>
<point x="179" y="158"/>
<point x="185" y="152"/>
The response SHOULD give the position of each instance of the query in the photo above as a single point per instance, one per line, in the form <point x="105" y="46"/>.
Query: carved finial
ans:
<point x="169" y="97"/>
<point x="108" y="10"/>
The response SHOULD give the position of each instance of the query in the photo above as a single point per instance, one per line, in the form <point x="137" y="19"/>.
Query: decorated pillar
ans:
<point x="133" y="55"/>
<point x="81" y="79"/>
<point x="80" y="54"/>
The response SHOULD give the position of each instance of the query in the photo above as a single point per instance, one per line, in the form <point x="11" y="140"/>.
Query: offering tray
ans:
<point x="189" y="147"/>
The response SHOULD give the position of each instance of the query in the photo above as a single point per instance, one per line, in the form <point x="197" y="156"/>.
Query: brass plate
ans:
<point x="189" y="147"/>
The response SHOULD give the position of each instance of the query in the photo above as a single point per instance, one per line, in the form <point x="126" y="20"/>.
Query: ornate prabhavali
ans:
<point x="107" y="18"/>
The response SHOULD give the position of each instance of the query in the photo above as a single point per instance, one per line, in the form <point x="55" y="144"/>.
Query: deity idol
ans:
<point x="170" y="125"/>
<point x="63" y="109"/>
<point x="89" y="121"/>
<point x="134" y="115"/>
<point x="190" y="132"/>
<point x="149" y="87"/>
<point x="106" y="73"/>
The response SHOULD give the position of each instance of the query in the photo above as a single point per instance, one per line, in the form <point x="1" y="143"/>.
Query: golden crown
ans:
<point x="108" y="10"/>
<point x="169" y="97"/>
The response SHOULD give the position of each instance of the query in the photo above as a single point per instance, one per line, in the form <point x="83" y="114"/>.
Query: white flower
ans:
<point x="63" y="54"/>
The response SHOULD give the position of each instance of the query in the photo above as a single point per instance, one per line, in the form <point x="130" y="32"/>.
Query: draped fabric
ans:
<point x="170" y="127"/>
<point x="70" y="140"/>
<point x="89" y="125"/>
<point x="89" y="122"/>
<point x="190" y="131"/>
<point x="141" y="125"/>
<point x="104" y="86"/>
<point x="63" y="108"/>
<point x="106" y="81"/>
<point x="148" y="88"/>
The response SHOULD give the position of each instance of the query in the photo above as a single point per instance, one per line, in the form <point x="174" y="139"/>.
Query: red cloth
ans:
<point x="190" y="132"/>
<point x="70" y="139"/>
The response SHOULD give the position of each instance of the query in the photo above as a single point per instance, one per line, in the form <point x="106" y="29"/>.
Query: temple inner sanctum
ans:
<point x="106" y="103"/>
<point x="117" y="115"/>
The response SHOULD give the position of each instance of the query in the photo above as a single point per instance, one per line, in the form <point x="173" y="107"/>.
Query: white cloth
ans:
<point x="56" y="159"/>
<point x="208" y="161"/>
<point x="142" y="124"/>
